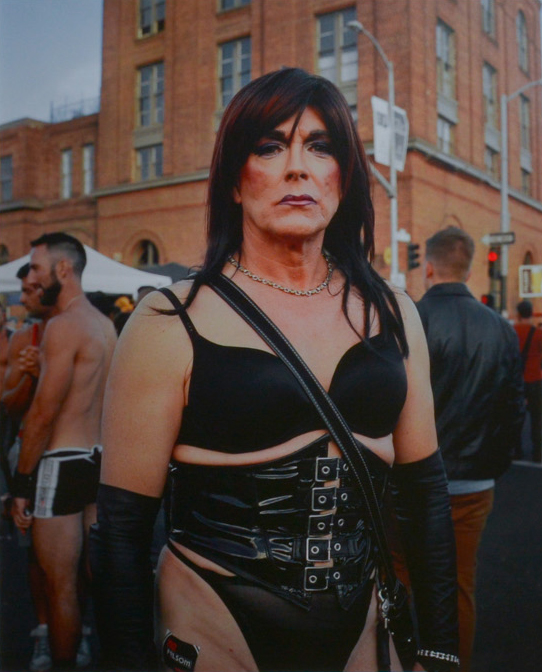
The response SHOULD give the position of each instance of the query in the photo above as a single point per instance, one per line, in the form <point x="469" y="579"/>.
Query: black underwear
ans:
<point x="281" y="636"/>
<point x="271" y="523"/>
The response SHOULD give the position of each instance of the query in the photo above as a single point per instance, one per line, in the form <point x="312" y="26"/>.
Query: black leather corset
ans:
<point x="276" y="523"/>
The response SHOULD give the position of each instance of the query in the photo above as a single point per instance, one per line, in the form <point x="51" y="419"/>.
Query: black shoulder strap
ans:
<point x="325" y="406"/>
<point x="526" y="346"/>
<point x="181" y="311"/>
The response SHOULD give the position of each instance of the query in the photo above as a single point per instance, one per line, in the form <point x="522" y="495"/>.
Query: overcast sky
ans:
<point x="50" y="52"/>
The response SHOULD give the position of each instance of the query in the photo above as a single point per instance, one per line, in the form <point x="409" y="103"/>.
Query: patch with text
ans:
<point x="177" y="655"/>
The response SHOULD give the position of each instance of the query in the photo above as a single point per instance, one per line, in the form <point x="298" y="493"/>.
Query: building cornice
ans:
<point x="466" y="168"/>
<point x="459" y="165"/>
<point x="415" y="144"/>
<point x="24" y="204"/>
<point x="151" y="184"/>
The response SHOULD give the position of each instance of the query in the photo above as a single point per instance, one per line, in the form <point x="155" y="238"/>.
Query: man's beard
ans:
<point x="49" y="295"/>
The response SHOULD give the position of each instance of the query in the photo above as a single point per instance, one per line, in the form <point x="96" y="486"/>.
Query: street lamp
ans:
<point x="391" y="187"/>
<point x="505" y="214"/>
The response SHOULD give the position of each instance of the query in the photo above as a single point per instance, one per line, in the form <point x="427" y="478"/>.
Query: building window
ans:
<point x="488" y="17"/>
<point x="66" y="174"/>
<point x="445" y="60"/>
<point x="88" y="169"/>
<point x="523" y="54"/>
<point x="526" y="182"/>
<point x="231" y="4"/>
<point x="235" y="66"/>
<point x="152" y="16"/>
<point x="146" y="254"/>
<point x="149" y="162"/>
<point x="6" y="179"/>
<point x="525" y="122"/>
<point x="491" y="160"/>
<point x="445" y="135"/>
<point x="151" y="95"/>
<point x="489" y="76"/>
<point x="338" y="48"/>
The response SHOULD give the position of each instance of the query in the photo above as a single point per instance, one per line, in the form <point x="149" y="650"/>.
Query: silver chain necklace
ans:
<point x="275" y="285"/>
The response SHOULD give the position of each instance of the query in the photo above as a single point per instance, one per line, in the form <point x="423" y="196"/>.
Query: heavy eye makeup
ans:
<point x="317" y="142"/>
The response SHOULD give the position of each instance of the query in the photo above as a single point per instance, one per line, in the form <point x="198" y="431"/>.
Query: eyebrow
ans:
<point x="275" y="134"/>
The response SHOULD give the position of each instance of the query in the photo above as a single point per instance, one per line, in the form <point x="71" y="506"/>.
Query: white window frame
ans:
<point x="66" y="173"/>
<point x="523" y="41"/>
<point x="234" y="4"/>
<point x="235" y="69"/>
<point x="446" y="65"/>
<point x="489" y="91"/>
<point x="526" y="182"/>
<point x="488" y="17"/>
<point x="338" y="48"/>
<point x="445" y="135"/>
<point x="525" y="122"/>
<point x="150" y="89"/>
<point x="491" y="162"/>
<point x="6" y="178"/>
<point x="88" y="168"/>
<point x="151" y="18"/>
<point x="149" y="162"/>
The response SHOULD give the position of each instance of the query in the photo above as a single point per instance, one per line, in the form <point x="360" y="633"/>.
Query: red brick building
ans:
<point x="169" y="68"/>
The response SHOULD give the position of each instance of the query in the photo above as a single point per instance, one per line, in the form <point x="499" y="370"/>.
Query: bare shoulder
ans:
<point x="158" y="301"/>
<point x="155" y="330"/>
<point x="411" y="318"/>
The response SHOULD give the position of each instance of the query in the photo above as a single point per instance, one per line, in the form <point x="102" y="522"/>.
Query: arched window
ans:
<point x="145" y="254"/>
<point x="523" y="53"/>
<point x="528" y="259"/>
<point x="4" y="255"/>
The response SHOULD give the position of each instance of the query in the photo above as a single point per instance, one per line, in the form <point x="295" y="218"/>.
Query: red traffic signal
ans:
<point x="488" y="300"/>
<point x="493" y="257"/>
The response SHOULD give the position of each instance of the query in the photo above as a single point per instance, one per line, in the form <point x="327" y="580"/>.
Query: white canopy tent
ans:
<point x="101" y="274"/>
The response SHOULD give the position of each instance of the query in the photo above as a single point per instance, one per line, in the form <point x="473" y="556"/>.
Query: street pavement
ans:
<point x="509" y="591"/>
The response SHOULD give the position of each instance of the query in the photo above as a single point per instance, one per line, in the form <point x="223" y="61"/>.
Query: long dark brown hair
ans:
<point x="254" y="111"/>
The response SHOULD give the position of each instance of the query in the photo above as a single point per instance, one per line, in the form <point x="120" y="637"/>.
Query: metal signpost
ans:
<point x="391" y="186"/>
<point x="505" y="214"/>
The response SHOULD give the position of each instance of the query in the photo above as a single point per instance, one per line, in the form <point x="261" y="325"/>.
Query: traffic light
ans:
<point x="488" y="300"/>
<point x="493" y="258"/>
<point x="413" y="256"/>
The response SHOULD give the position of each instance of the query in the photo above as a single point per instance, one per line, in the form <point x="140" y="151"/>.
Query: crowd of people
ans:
<point x="272" y="561"/>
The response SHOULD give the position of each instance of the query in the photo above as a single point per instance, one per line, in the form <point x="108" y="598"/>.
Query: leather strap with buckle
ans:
<point x="321" y="578"/>
<point x="326" y="498"/>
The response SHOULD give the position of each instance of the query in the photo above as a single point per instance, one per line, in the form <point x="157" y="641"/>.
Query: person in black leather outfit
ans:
<point x="270" y="564"/>
<point x="476" y="374"/>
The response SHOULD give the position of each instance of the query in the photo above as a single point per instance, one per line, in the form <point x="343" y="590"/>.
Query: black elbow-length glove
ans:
<point x="122" y="578"/>
<point x="422" y="505"/>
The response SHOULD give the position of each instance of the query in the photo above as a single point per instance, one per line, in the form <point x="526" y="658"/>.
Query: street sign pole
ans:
<point x="505" y="213"/>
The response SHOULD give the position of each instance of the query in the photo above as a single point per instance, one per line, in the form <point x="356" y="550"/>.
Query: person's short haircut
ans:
<point x="23" y="271"/>
<point x="67" y="246"/>
<point x="451" y="251"/>
<point x="525" y="309"/>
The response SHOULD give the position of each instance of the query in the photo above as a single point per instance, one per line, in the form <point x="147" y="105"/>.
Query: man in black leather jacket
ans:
<point x="476" y="375"/>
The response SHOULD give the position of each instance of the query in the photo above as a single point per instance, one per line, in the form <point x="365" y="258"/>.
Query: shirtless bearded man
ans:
<point x="59" y="464"/>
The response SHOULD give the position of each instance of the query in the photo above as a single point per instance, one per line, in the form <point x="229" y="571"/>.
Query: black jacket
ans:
<point x="477" y="380"/>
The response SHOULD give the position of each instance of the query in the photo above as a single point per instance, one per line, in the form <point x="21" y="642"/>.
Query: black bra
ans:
<point x="244" y="399"/>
